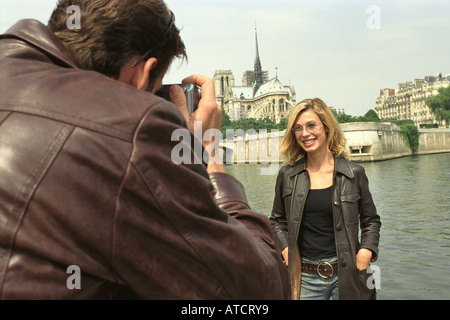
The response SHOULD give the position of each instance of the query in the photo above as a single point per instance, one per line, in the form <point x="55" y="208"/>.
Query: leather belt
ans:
<point x="324" y="269"/>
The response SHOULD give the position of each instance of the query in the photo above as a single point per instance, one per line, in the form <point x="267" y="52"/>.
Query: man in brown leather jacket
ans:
<point x="92" y="206"/>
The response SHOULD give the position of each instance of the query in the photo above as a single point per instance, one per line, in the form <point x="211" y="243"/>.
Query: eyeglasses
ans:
<point x="145" y="55"/>
<point x="310" y="127"/>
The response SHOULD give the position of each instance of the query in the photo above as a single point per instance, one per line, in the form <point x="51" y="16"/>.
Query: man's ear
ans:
<point x="143" y="73"/>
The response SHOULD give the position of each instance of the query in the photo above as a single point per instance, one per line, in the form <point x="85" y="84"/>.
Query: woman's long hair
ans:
<point x="292" y="151"/>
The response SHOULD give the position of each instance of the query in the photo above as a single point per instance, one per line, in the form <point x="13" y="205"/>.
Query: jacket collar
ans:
<point x="41" y="37"/>
<point x="341" y="165"/>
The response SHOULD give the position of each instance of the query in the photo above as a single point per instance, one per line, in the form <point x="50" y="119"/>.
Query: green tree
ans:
<point x="282" y="125"/>
<point x="410" y="135"/>
<point x="344" y="118"/>
<point x="371" y="116"/>
<point x="247" y="124"/>
<point x="402" y="122"/>
<point x="440" y="104"/>
<point x="226" y="122"/>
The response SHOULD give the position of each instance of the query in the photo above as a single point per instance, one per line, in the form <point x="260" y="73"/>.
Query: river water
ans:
<point x="412" y="196"/>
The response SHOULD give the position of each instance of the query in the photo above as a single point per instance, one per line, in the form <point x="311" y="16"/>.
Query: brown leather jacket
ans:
<point x="86" y="180"/>
<point x="356" y="223"/>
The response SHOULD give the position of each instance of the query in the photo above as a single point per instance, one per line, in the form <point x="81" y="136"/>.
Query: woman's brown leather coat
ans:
<point x="87" y="181"/>
<point x="353" y="209"/>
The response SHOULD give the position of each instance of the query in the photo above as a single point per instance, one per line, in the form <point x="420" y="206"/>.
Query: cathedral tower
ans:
<point x="223" y="82"/>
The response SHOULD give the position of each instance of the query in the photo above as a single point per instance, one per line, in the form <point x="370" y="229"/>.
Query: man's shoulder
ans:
<point x="111" y="103"/>
<point x="84" y="99"/>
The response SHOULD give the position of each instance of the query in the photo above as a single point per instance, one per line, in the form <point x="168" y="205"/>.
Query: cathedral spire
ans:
<point x="257" y="60"/>
<point x="257" y="66"/>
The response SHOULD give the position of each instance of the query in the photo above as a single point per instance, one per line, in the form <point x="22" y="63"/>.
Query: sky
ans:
<point x="342" y="51"/>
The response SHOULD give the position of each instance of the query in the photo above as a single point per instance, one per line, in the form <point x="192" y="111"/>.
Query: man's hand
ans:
<point x="208" y="113"/>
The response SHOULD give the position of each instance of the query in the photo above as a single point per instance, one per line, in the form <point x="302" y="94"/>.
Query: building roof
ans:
<point x="272" y="86"/>
<point x="245" y="92"/>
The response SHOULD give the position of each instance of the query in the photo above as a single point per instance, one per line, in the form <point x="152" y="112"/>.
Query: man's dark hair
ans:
<point x="113" y="31"/>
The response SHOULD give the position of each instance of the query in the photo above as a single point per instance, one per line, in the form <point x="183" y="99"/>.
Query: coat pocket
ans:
<point x="287" y="192"/>
<point x="287" y="198"/>
<point x="350" y="207"/>
<point x="367" y="291"/>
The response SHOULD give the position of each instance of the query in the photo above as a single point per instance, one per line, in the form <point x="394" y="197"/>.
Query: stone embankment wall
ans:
<point x="372" y="141"/>
<point x="434" y="141"/>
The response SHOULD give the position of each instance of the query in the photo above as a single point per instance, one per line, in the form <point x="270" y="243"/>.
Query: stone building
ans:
<point x="258" y="97"/>
<point x="408" y="102"/>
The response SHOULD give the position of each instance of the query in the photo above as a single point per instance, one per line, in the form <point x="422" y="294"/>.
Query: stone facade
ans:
<point x="408" y="102"/>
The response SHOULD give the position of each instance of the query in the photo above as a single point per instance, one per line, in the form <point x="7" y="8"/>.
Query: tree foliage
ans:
<point x="410" y="135"/>
<point x="246" y="124"/>
<point x="370" y="116"/>
<point x="440" y="104"/>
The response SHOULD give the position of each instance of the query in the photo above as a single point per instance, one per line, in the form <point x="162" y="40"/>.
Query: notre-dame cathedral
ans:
<point x="257" y="98"/>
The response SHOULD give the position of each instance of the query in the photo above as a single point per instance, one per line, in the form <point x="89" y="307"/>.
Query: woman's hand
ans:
<point x="363" y="259"/>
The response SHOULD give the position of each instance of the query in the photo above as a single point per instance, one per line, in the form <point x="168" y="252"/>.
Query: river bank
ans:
<point x="373" y="141"/>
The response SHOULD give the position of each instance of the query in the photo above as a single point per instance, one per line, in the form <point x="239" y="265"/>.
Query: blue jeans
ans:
<point x="314" y="287"/>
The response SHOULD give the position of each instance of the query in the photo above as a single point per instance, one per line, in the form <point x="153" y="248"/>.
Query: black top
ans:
<point x="316" y="237"/>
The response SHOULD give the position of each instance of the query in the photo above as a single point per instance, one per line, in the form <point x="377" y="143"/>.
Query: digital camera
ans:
<point x="191" y="91"/>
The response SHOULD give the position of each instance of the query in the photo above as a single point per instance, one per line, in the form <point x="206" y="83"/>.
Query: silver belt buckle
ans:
<point x="325" y="264"/>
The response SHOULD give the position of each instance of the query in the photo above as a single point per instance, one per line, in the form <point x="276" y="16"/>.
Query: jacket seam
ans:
<point x="5" y="118"/>
<point x="117" y="199"/>
<point x="36" y="178"/>
<point x="64" y="118"/>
